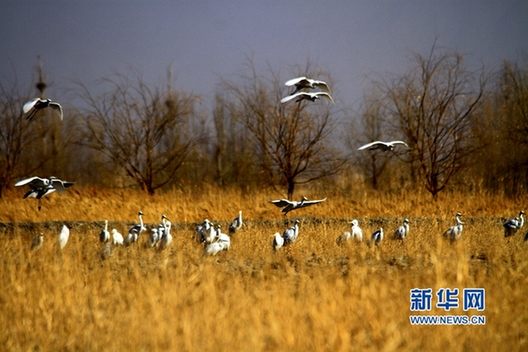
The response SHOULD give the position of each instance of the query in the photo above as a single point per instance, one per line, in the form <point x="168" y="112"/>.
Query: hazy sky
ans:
<point x="205" y="40"/>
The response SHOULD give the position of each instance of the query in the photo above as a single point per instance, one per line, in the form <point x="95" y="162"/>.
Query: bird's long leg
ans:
<point x="39" y="204"/>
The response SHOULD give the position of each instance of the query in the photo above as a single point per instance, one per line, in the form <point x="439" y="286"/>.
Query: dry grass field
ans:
<point x="311" y="296"/>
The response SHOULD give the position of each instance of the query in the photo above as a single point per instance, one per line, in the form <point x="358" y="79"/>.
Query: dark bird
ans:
<point x="288" y="205"/>
<point x="33" y="106"/>
<point x="382" y="145"/>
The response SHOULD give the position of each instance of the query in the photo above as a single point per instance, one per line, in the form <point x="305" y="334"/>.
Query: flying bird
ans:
<point x="288" y="205"/>
<point x="36" y="244"/>
<point x="33" y="106"/>
<point x="40" y="187"/>
<point x="236" y="224"/>
<point x="307" y="96"/>
<point x="63" y="237"/>
<point x="382" y="145"/>
<point x="377" y="236"/>
<point x="301" y="83"/>
<point x="402" y="231"/>
<point x="454" y="232"/>
<point x="513" y="225"/>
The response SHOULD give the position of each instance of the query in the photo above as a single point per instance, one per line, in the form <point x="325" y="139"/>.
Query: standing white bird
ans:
<point x="166" y="237"/>
<point x="289" y="205"/>
<point x="104" y="236"/>
<point x="236" y="224"/>
<point x="137" y="229"/>
<point x="278" y="241"/>
<point x="513" y="225"/>
<point x="223" y="238"/>
<point x="382" y="145"/>
<point x="307" y="96"/>
<point x="202" y="229"/>
<point x="36" y="244"/>
<point x="454" y="232"/>
<point x="301" y="83"/>
<point x="209" y="235"/>
<point x="377" y="236"/>
<point x="117" y="237"/>
<point x="214" y="248"/>
<point x="63" y="237"/>
<point x="153" y="238"/>
<point x="355" y="233"/>
<point x="33" y="106"/>
<point x="290" y="234"/>
<point x="402" y="231"/>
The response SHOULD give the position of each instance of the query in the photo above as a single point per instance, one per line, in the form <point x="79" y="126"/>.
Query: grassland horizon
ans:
<point x="312" y="295"/>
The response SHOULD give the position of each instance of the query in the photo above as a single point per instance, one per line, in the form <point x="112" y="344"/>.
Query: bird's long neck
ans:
<point x="106" y="225"/>
<point x="140" y="222"/>
<point x="521" y="224"/>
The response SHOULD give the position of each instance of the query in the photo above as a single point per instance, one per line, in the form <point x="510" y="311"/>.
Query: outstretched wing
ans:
<point x="33" y="182"/>
<point x="57" y="107"/>
<point x="299" y="95"/>
<point x="372" y="145"/>
<point x="310" y="202"/>
<point x="58" y="185"/>
<point x="29" y="105"/>
<point x="323" y="86"/>
<point x="297" y="81"/>
<point x="281" y="202"/>
<point x="324" y="95"/>
<point x="399" y="142"/>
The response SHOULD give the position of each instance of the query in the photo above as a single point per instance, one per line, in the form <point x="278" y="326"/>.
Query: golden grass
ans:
<point x="313" y="295"/>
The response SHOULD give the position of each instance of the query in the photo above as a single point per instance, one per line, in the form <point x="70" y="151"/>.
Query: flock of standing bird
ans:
<point x="209" y="234"/>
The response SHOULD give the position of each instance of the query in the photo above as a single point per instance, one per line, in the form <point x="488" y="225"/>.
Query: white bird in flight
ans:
<point x="513" y="225"/>
<point x="289" y="205"/>
<point x="402" y="231"/>
<point x="40" y="187"/>
<point x="33" y="106"/>
<point x="301" y="83"/>
<point x="382" y="145"/>
<point x="307" y="96"/>
<point x="454" y="232"/>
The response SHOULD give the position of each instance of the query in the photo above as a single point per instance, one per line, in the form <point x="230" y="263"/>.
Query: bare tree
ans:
<point x="507" y="140"/>
<point x="370" y="126"/>
<point x="292" y="141"/>
<point x="433" y="106"/>
<point x="147" y="131"/>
